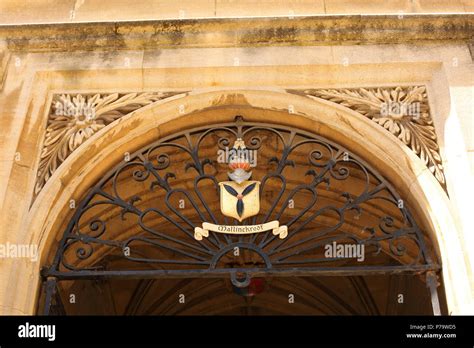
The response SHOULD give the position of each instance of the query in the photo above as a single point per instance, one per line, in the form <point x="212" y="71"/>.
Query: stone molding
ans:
<point x="232" y="32"/>
<point x="4" y="59"/>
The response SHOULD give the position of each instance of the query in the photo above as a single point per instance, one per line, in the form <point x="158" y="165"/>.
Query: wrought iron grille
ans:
<point x="139" y="219"/>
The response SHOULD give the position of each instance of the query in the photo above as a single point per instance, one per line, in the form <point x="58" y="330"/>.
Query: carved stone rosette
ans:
<point x="75" y="118"/>
<point x="402" y="111"/>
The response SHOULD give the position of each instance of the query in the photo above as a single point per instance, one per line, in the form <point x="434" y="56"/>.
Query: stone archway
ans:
<point x="48" y="214"/>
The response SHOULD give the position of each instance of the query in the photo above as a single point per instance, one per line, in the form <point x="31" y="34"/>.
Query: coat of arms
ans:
<point x="240" y="198"/>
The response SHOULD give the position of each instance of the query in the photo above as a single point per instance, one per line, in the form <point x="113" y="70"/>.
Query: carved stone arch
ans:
<point x="399" y="165"/>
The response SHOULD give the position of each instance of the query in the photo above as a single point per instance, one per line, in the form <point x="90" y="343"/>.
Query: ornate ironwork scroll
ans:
<point x="140" y="218"/>
<point x="403" y="111"/>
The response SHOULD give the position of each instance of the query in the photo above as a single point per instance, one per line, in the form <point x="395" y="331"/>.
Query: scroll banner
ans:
<point x="281" y="231"/>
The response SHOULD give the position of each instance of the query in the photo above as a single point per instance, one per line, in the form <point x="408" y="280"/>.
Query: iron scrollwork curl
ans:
<point x="143" y="212"/>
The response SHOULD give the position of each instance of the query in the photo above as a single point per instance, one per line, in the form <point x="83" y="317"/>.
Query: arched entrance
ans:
<point x="51" y="211"/>
<point x="299" y="216"/>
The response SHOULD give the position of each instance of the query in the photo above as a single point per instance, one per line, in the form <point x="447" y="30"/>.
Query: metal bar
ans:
<point x="432" y="284"/>
<point x="50" y="289"/>
<point x="220" y="273"/>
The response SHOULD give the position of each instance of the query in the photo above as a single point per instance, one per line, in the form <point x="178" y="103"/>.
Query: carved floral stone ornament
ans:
<point x="403" y="111"/>
<point x="75" y="118"/>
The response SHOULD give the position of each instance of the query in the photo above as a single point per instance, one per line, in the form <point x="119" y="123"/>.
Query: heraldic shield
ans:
<point x="240" y="201"/>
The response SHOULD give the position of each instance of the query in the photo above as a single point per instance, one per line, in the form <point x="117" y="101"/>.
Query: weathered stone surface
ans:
<point x="224" y="32"/>
<point x="219" y="67"/>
